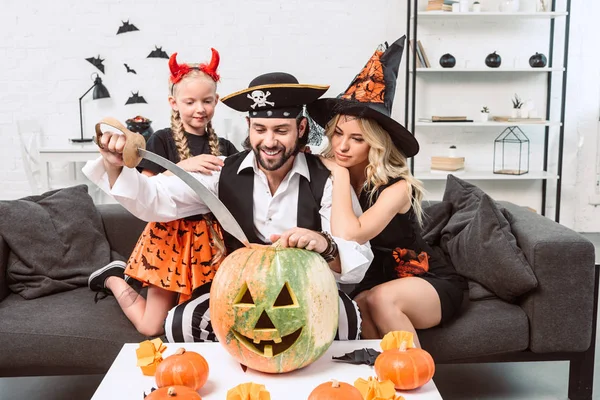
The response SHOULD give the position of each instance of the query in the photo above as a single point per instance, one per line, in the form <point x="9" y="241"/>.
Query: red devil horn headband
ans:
<point x="179" y="71"/>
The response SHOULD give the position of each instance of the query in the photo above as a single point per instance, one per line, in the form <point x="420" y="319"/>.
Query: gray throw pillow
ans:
<point x="4" y="249"/>
<point x="56" y="240"/>
<point x="465" y="198"/>
<point x="486" y="251"/>
<point x="479" y="292"/>
<point x="435" y="218"/>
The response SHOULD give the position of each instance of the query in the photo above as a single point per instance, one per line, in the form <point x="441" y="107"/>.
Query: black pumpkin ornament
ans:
<point x="493" y="60"/>
<point x="538" y="60"/>
<point x="447" y="61"/>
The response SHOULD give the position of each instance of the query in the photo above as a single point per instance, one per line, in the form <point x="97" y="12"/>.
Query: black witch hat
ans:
<point x="371" y="95"/>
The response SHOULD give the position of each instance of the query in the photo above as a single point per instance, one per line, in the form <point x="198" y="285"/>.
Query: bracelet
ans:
<point x="331" y="252"/>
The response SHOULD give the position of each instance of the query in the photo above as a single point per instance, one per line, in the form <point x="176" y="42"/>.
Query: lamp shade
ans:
<point x="100" y="91"/>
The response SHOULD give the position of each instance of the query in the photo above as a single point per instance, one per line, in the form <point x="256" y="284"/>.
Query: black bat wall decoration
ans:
<point x="96" y="62"/>
<point x="126" y="27"/>
<point x="130" y="70"/>
<point x="158" y="52"/>
<point x="135" y="98"/>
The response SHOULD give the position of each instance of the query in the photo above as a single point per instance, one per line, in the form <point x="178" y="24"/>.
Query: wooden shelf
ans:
<point x="467" y="174"/>
<point x="490" y="124"/>
<point x="485" y="14"/>
<point x="487" y="69"/>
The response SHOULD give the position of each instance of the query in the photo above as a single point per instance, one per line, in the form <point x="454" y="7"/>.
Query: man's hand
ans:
<point x="204" y="163"/>
<point x="302" y="239"/>
<point x="111" y="148"/>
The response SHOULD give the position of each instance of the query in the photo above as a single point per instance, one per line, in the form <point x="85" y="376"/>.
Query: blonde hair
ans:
<point x="386" y="162"/>
<point x="181" y="141"/>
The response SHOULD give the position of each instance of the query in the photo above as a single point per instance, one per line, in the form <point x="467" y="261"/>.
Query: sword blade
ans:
<point x="217" y="207"/>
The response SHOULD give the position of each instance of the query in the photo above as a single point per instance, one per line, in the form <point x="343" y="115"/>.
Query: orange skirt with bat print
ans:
<point x="178" y="256"/>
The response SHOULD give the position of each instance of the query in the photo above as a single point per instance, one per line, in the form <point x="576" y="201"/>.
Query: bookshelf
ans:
<point x="549" y="168"/>
<point x="488" y="70"/>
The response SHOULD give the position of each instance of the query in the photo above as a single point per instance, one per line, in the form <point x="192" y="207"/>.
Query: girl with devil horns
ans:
<point x="407" y="286"/>
<point x="175" y="258"/>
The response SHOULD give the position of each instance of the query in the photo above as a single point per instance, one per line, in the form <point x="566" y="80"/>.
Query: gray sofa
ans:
<point x="67" y="333"/>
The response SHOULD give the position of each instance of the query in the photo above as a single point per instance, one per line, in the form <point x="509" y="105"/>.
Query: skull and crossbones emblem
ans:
<point x="260" y="99"/>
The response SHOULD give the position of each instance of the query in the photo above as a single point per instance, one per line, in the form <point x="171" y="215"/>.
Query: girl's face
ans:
<point x="195" y="98"/>
<point x="348" y="144"/>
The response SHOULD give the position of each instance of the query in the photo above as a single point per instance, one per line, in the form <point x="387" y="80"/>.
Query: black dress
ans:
<point x="162" y="143"/>
<point x="403" y="232"/>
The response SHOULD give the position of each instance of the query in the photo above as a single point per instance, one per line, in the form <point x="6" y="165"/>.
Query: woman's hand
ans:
<point x="204" y="164"/>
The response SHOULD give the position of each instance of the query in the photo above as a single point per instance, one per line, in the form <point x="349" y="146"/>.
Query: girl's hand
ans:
<point x="204" y="164"/>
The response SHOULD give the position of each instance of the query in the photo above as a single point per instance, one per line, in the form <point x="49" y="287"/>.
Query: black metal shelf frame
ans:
<point x="412" y="22"/>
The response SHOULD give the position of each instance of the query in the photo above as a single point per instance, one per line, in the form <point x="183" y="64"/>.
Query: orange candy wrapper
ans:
<point x="248" y="391"/>
<point x="149" y="355"/>
<point x="372" y="389"/>
<point x="398" y="340"/>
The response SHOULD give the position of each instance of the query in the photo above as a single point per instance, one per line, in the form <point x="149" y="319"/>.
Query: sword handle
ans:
<point x="134" y="141"/>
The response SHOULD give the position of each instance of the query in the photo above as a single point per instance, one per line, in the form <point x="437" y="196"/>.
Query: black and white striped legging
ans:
<point x="190" y="321"/>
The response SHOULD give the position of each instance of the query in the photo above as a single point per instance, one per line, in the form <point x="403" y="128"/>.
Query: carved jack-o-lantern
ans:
<point x="274" y="309"/>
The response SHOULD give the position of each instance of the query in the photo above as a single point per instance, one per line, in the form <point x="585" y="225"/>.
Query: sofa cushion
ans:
<point x="56" y="240"/>
<point x="62" y="332"/>
<point x="486" y="251"/>
<point x="483" y="328"/>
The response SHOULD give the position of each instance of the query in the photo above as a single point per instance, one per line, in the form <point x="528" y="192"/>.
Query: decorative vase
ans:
<point x="477" y="7"/>
<point x="485" y="117"/>
<point x="464" y="6"/>
<point x="514" y="113"/>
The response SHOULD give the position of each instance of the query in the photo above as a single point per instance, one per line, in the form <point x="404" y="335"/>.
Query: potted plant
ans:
<point x="476" y="6"/>
<point x="485" y="114"/>
<point x="517" y="104"/>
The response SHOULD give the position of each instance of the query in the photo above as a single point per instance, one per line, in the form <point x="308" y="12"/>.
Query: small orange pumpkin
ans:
<point x="407" y="367"/>
<point x="334" y="390"/>
<point x="176" y="392"/>
<point x="185" y="368"/>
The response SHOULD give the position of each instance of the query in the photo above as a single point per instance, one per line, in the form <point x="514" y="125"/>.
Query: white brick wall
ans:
<point x="43" y="70"/>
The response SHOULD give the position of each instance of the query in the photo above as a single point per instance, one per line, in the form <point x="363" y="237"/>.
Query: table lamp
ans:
<point x="100" y="92"/>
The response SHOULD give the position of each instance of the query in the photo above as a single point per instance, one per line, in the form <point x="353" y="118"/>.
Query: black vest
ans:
<point x="235" y="191"/>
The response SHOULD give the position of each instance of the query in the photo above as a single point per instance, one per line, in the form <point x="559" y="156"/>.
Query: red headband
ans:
<point x="179" y="71"/>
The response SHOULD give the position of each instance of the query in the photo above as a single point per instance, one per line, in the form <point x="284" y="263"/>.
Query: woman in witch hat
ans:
<point x="406" y="287"/>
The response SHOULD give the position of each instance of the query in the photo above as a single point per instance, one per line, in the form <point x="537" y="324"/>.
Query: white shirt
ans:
<point x="164" y="198"/>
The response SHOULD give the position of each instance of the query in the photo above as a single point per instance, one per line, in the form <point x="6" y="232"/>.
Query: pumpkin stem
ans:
<point x="171" y="392"/>
<point x="335" y="383"/>
<point x="180" y="351"/>
<point x="403" y="345"/>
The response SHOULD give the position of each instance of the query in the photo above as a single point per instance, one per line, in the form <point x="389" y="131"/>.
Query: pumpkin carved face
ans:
<point x="274" y="309"/>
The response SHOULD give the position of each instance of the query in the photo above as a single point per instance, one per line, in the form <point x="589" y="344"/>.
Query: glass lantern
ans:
<point x="511" y="152"/>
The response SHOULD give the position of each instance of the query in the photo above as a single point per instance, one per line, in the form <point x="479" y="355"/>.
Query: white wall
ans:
<point x="43" y="72"/>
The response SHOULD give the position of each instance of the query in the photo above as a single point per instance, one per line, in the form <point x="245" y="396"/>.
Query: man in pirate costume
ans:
<point x="291" y="195"/>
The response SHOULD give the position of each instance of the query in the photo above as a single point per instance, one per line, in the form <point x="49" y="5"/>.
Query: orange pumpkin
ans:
<point x="174" y="393"/>
<point x="334" y="390"/>
<point x="185" y="368"/>
<point x="407" y="368"/>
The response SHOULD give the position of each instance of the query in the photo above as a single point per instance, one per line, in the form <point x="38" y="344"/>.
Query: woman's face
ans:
<point x="348" y="144"/>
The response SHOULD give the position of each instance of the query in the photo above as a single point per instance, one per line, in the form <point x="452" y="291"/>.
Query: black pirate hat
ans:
<point x="371" y="95"/>
<point x="274" y="95"/>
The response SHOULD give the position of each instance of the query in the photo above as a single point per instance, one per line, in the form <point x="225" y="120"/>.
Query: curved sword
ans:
<point x="138" y="147"/>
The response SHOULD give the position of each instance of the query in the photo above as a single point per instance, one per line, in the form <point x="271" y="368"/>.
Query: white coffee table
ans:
<point x="124" y="380"/>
